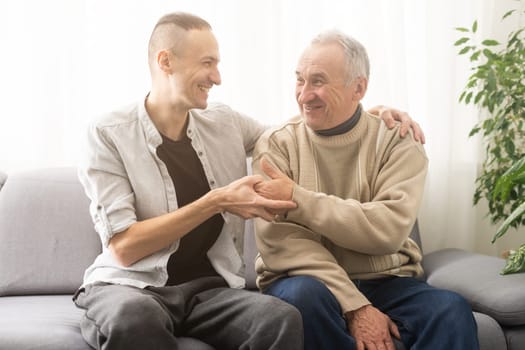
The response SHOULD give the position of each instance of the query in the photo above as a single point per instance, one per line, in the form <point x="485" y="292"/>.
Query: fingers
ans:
<point x="406" y="123"/>
<point x="253" y="179"/>
<point x="264" y="214"/>
<point x="416" y="129"/>
<point x="418" y="133"/>
<point x="387" y="345"/>
<point x="394" y="330"/>
<point x="388" y="118"/>
<point x="390" y="115"/>
<point x="275" y="204"/>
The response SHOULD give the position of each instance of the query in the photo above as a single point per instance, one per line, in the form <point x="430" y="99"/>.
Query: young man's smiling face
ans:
<point x="195" y="69"/>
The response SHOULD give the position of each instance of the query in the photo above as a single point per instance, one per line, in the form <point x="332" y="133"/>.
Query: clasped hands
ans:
<point x="254" y="196"/>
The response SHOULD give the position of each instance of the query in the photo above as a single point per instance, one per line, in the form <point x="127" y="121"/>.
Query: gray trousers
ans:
<point x="124" y="317"/>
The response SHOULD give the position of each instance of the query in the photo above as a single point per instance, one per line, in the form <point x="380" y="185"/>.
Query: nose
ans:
<point x="304" y="93"/>
<point x="215" y="76"/>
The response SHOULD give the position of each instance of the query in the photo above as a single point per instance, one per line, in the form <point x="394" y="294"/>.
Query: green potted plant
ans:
<point x="497" y="87"/>
<point x="514" y="177"/>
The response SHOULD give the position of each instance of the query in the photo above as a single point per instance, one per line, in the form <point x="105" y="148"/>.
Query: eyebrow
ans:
<point x="212" y="58"/>
<point x="313" y="76"/>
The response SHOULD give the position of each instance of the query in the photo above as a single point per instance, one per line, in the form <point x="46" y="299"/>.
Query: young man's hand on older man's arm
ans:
<point x="389" y="115"/>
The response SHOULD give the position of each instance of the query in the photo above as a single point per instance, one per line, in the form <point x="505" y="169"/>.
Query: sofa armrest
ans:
<point x="477" y="278"/>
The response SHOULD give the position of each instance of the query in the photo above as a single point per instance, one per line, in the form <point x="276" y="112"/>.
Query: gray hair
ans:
<point x="357" y="63"/>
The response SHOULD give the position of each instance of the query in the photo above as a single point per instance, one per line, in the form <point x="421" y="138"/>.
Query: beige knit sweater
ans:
<point x="358" y="196"/>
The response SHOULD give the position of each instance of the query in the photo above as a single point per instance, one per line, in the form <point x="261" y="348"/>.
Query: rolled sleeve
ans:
<point x="105" y="182"/>
<point x="109" y="222"/>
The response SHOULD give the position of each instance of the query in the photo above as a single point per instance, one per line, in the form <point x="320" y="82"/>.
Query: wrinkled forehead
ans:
<point x="325" y="58"/>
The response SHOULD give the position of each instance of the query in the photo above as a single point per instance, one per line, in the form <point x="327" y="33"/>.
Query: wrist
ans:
<point x="350" y="315"/>
<point x="214" y="200"/>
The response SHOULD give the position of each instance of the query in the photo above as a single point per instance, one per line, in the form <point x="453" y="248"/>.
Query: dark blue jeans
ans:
<point x="428" y="318"/>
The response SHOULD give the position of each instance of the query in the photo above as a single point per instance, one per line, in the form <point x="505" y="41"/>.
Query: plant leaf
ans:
<point x="508" y="14"/>
<point x="461" y="41"/>
<point x="515" y="262"/>
<point x="490" y="42"/>
<point x="474" y="131"/>
<point x="461" y="29"/>
<point x="517" y="169"/>
<point x="508" y="221"/>
<point x="479" y="95"/>
<point x="475" y="56"/>
<point x="465" y="50"/>
<point x="468" y="98"/>
<point x="474" y="26"/>
<point x="462" y="96"/>
<point x="488" y="53"/>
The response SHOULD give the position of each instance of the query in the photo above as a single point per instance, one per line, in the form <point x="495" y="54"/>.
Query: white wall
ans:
<point x="64" y="61"/>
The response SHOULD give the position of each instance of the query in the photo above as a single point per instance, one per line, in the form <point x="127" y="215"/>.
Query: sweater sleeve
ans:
<point x="294" y="250"/>
<point x="377" y="227"/>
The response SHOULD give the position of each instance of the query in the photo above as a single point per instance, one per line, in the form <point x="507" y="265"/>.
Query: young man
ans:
<point x="169" y="195"/>
<point x="343" y="257"/>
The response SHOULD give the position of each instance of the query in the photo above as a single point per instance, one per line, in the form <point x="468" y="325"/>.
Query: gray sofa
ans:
<point x="47" y="240"/>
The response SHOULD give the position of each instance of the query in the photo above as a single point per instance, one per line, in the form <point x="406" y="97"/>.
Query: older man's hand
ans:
<point x="372" y="329"/>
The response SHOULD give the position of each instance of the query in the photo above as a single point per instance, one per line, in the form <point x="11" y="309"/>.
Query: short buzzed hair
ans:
<point x="356" y="58"/>
<point x="168" y="31"/>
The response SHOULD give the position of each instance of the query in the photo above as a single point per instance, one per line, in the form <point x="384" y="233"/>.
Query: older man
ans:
<point x="343" y="257"/>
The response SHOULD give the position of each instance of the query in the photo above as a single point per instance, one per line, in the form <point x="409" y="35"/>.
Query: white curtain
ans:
<point x="64" y="61"/>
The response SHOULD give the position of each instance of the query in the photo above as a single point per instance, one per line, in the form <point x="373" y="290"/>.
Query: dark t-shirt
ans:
<point x="190" y="260"/>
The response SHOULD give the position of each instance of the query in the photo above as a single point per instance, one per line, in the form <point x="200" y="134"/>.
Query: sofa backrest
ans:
<point x="47" y="238"/>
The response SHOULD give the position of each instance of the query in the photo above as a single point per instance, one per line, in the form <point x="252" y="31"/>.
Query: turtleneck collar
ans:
<point x="344" y="127"/>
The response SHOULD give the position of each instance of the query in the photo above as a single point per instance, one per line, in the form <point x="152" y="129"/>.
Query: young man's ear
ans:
<point x="164" y="61"/>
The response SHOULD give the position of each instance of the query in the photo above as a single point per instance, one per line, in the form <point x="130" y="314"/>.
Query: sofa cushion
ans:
<point x="48" y="322"/>
<point x="515" y="337"/>
<point x="51" y="322"/>
<point x="46" y="233"/>
<point x="477" y="277"/>
<point x="490" y="334"/>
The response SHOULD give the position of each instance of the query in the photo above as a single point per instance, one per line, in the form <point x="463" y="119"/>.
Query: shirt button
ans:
<point x="200" y="154"/>
<point x="189" y="131"/>
<point x="212" y="182"/>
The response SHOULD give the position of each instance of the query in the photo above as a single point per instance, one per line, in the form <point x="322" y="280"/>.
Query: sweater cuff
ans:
<point x="301" y="197"/>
